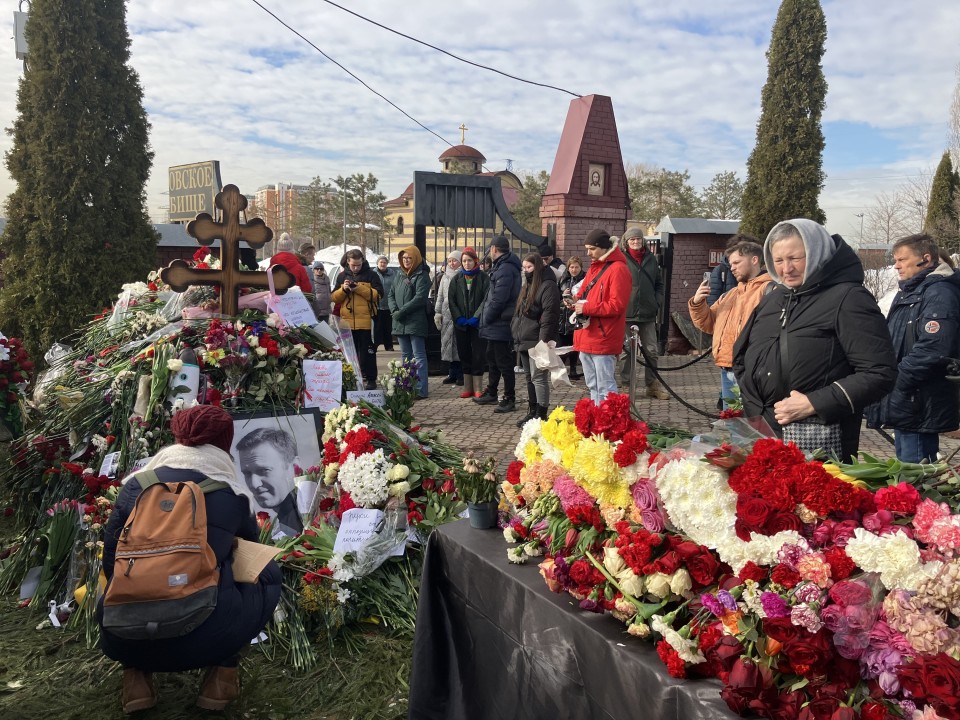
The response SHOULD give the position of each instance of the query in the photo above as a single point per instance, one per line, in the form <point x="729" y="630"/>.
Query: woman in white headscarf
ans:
<point x="444" y="322"/>
<point x="816" y="349"/>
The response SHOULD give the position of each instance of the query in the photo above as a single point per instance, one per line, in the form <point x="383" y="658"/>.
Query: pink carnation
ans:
<point x="570" y="494"/>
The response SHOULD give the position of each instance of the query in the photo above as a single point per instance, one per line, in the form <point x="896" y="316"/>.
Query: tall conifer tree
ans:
<point x="941" y="220"/>
<point x="77" y="225"/>
<point x="784" y="172"/>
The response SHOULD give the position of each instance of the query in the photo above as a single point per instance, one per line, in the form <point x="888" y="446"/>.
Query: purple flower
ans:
<point x="728" y="601"/>
<point x="712" y="604"/>
<point x="850" y="644"/>
<point x="773" y="605"/>
<point x="591" y="605"/>
<point x="644" y="496"/>
<point x="653" y="520"/>
<point x="877" y="660"/>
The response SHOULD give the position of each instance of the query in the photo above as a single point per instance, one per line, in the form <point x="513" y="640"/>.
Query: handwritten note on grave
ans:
<point x="371" y="397"/>
<point x="293" y="308"/>
<point x="323" y="383"/>
<point x="357" y="526"/>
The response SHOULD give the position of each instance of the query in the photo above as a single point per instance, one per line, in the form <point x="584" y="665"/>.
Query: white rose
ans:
<point x="612" y="561"/>
<point x="253" y="341"/>
<point x="398" y="490"/>
<point x="330" y="473"/>
<point x="681" y="583"/>
<point x="401" y="472"/>
<point x="658" y="585"/>
<point x="272" y="320"/>
<point x="175" y="365"/>
<point x="261" y="351"/>
<point x="631" y="583"/>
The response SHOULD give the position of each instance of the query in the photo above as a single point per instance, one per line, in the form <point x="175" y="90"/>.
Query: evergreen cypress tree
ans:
<point x="941" y="220"/>
<point x="784" y="172"/>
<point x="77" y="225"/>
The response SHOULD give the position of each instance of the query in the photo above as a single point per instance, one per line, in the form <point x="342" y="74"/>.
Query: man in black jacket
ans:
<point x="923" y="324"/>
<point x="495" y="325"/>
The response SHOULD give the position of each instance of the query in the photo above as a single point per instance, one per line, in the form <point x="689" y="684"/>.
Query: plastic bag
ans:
<point x="545" y="356"/>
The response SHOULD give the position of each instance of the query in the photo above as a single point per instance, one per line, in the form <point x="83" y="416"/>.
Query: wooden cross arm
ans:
<point x="179" y="276"/>
<point x="205" y="229"/>
<point x="256" y="233"/>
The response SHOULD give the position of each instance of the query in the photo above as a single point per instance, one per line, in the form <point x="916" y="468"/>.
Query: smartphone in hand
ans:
<point x="706" y="277"/>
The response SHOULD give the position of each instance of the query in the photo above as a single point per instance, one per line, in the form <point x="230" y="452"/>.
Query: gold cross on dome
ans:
<point x="179" y="275"/>
<point x="463" y="132"/>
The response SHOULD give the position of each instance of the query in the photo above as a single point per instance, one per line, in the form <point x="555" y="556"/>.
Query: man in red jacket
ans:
<point x="291" y="263"/>
<point x="602" y="305"/>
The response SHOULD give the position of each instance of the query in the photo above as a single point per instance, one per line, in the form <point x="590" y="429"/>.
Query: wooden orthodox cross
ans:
<point x="179" y="275"/>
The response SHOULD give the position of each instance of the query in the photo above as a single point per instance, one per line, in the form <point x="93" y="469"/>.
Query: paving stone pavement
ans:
<point x="471" y="426"/>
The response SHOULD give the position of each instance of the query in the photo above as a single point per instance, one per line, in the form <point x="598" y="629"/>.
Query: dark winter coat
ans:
<point x="721" y="280"/>
<point x="408" y="298"/>
<point x="923" y="323"/>
<point x="646" y="291"/>
<point x="464" y="303"/>
<point x="501" y="298"/>
<point x="839" y="353"/>
<point x="541" y="319"/>
<point x="386" y="279"/>
<point x="243" y="609"/>
<point x="567" y="283"/>
<point x="358" y="307"/>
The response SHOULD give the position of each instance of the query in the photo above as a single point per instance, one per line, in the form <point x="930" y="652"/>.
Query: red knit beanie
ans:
<point x="471" y="252"/>
<point x="203" y="425"/>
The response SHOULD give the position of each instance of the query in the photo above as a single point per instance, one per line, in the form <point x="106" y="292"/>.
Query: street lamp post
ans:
<point x="860" y="215"/>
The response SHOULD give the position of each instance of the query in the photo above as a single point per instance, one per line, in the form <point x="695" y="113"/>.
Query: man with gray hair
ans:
<point x="286" y="258"/>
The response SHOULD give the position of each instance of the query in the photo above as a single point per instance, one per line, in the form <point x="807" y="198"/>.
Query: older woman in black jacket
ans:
<point x="816" y="350"/>
<point x="536" y="318"/>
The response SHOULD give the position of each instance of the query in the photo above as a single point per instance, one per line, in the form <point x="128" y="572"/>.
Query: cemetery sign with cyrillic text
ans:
<point x="192" y="189"/>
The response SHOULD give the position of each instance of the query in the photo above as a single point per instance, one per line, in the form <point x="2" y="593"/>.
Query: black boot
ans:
<point x="543" y="411"/>
<point x="531" y="414"/>
<point x="506" y="405"/>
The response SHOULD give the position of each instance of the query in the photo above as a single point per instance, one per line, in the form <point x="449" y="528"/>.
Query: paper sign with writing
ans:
<point x="323" y="383"/>
<point x="357" y="526"/>
<point x="293" y="308"/>
<point x="371" y="397"/>
<point x="109" y="465"/>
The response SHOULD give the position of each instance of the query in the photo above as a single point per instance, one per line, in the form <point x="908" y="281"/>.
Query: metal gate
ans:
<point x="454" y="211"/>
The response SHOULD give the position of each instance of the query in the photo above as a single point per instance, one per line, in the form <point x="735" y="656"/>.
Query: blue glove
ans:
<point x="473" y="322"/>
<point x="460" y="321"/>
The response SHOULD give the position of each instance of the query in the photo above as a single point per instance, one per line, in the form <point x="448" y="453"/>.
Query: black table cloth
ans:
<point x="493" y="642"/>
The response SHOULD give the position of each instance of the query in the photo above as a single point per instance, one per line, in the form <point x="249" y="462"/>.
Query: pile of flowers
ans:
<point x="106" y="403"/>
<point x="16" y="370"/>
<point x="807" y="591"/>
<point x="400" y="388"/>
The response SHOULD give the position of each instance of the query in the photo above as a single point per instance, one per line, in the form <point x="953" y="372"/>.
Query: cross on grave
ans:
<point x="179" y="275"/>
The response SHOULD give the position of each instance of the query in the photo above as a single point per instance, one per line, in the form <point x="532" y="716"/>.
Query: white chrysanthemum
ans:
<point x="365" y="478"/>
<point x="686" y="649"/>
<point x="343" y="595"/>
<point x="529" y="432"/>
<point x="895" y="556"/>
<point x="702" y="506"/>
<point x="340" y="567"/>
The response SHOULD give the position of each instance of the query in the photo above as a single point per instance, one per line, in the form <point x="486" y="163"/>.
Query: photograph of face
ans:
<point x="267" y="450"/>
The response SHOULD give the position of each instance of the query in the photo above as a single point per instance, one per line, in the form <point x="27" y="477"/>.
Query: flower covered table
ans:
<point x="492" y="641"/>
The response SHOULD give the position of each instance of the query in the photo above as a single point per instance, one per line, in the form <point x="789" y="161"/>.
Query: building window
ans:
<point x="399" y="226"/>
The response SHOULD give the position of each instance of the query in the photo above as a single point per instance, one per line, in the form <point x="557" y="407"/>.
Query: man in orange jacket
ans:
<point x="727" y="316"/>
<point x="601" y="303"/>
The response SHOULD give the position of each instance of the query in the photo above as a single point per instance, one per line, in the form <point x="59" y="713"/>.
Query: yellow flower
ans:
<point x="531" y="453"/>
<point x="560" y="430"/>
<point x="594" y="468"/>
<point x="838" y="473"/>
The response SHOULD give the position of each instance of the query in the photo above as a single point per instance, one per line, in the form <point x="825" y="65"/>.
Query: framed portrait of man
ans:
<point x="596" y="178"/>
<point x="267" y="450"/>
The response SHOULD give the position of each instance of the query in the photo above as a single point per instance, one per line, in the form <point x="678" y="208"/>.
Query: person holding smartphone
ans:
<point x="727" y="316"/>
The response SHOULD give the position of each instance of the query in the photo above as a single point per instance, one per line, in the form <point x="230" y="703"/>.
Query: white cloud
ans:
<point x="222" y="80"/>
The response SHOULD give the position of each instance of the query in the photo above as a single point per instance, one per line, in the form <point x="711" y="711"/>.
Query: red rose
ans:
<point x="788" y="706"/>
<point x="745" y="683"/>
<point x="850" y="592"/>
<point x="808" y="653"/>
<point x="725" y="653"/>
<point x="781" y="630"/>
<point x="822" y="708"/>
<point x="685" y="549"/>
<point x="871" y="710"/>
<point x="668" y="563"/>
<point x="754" y="512"/>
<point x="935" y="679"/>
<point x="784" y="521"/>
<point x="703" y="569"/>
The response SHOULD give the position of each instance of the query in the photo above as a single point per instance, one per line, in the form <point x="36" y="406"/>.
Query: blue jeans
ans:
<point x="915" y="446"/>
<point x="414" y="347"/>
<point x="727" y="382"/>
<point x="599" y="373"/>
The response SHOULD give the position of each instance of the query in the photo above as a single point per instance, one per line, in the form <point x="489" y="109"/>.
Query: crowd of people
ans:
<point x="796" y="337"/>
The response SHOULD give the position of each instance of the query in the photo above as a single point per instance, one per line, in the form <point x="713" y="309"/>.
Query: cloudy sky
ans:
<point x="224" y="80"/>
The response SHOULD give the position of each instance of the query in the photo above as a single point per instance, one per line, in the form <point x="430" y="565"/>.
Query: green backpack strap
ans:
<point x="146" y="478"/>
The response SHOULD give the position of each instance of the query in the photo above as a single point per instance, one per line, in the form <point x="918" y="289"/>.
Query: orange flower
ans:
<point x="772" y="647"/>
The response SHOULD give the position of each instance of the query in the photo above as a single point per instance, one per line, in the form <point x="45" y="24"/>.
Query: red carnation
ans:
<point x="841" y="566"/>
<point x="902" y="498"/>
<point x="752" y="571"/>
<point x="675" y="664"/>
<point x="783" y="575"/>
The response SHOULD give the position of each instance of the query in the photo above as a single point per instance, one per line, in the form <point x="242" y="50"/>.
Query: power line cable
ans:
<point x="348" y="72"/>
<point x="449" y="54"/>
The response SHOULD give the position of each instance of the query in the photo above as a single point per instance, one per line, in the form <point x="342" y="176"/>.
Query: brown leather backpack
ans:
<point x="165" y="574"/>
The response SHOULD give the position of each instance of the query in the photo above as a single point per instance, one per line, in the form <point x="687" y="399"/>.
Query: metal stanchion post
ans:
<point x="632" y="360"/>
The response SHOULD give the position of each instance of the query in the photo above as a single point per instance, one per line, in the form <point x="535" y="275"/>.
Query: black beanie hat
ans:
<point x="501" y="243"/>
<point x="546" y="250"/>
<point x="599" y="238"/>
